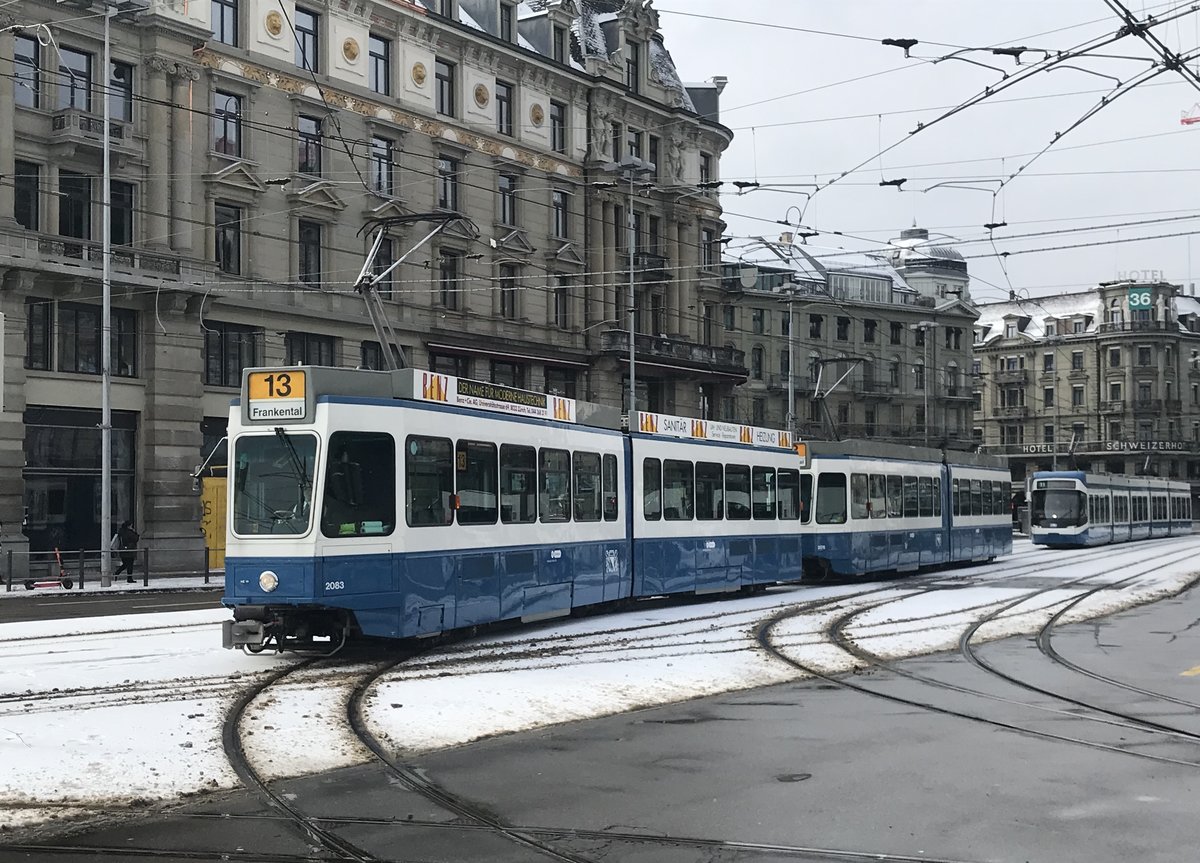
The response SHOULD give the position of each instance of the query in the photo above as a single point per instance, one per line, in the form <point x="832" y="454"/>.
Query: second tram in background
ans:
<point x="1074" y="508"/>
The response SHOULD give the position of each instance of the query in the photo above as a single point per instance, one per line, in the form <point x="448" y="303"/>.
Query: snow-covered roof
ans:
<point x="1032" y="314"/>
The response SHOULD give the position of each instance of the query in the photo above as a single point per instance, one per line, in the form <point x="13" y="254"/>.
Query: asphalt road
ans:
<point x="939" y="760"/>
<point x="48" y="606"/>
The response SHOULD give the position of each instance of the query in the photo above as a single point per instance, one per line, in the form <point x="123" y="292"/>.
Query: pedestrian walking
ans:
<point x="125" y="541"/>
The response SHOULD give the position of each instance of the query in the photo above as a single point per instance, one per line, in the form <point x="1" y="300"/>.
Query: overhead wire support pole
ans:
<point x="106" y="517"/>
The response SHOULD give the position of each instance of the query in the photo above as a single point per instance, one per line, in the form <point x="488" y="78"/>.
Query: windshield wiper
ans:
<point x="297" y="462"/>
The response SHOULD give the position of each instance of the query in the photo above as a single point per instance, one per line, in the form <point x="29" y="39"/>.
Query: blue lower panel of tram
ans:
<point x="716" y="565"/>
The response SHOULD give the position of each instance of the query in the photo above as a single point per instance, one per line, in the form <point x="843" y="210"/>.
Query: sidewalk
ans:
<point x="158" y="583"/>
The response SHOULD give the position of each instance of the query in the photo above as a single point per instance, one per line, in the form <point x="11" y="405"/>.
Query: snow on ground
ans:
<point x="103" y="712"/>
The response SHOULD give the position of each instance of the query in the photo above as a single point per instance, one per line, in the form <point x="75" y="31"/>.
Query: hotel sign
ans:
<point x="1092" y="447"/>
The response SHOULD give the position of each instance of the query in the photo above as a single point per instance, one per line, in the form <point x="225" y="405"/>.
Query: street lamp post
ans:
<point x="924" y="327"/>
<point x="631" y="168"/>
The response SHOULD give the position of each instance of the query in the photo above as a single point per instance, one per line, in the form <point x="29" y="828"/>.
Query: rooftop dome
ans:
<point x="913" y="249"/>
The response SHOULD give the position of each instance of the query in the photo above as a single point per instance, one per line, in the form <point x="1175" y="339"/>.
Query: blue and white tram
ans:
<point x="1074" y="508"/>
<point x="405" y="504"/>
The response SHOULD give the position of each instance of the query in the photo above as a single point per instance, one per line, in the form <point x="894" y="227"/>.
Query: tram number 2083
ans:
<point x="335" y="585"/>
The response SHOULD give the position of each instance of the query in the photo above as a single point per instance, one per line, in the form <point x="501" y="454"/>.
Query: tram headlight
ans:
<point x="268" y="581"/>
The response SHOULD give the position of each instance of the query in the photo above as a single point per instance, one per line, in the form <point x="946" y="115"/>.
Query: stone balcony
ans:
<point x="75" y="130"/>
<point x="1012" y="376"/>
<point x="680" y="355"/>
<point x="1112" y="407"/>
<point x="1012" y="412"/>
<point x="1147" y="406"/>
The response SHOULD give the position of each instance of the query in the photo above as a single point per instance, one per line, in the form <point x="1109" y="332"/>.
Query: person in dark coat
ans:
<point x="125" y="541"/>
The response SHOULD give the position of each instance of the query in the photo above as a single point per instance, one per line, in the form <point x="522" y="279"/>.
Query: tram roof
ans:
<point x="901" y="452"/>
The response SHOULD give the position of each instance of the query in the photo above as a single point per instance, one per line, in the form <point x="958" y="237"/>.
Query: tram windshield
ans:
<point x="272" y="483"/>
<point x="1059" y="508"/>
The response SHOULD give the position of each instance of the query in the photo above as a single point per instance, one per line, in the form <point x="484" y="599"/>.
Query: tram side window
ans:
<point x="351" y="506"/>
<point x="609" y="471"/>
<point x="859" y="496"/>
<point x="679" y="490"/>
<point x="925" y="495"/>
<point x="910" y="497"/>
<point x="976" y="497"/>
<point x="789" y="495"/>
<point x="937" y="496"/>
<point x="710" y="491"/>
<point x="831" y="498"/>
<point x="428" y="481"/>
<point x="895" y="497"/>
<point x="954" y="504"/>
<point x="652" y="489"/>
<point x="476" y="487"/>
<point x="763" y="497"/>
<point x="806" y="497"/>
<point x="588" y="494"/>
<point x="554" y="485"/>
<point x="877" y="496"/>
<point x="737" y="492"/>
<point x="518" y="484"/>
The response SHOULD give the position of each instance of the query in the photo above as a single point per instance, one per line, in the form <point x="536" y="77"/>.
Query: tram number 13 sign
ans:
<point x="276" y="395"/>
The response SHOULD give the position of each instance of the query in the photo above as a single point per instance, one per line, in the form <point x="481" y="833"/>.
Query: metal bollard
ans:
<point x="9" y="571"/>
<point x="206" y="564"/>
<point x="145" y="566"/>
<point x="79" y="569"/>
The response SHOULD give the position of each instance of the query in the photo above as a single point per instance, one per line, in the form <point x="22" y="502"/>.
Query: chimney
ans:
<point x="719" y="81"/>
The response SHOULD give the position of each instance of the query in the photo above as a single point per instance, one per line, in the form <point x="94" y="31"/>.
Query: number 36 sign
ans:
<point x="1140" y="298"/>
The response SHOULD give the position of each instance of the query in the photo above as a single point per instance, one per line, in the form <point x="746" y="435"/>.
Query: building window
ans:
<point x="558" y="127"/>
<point x="308" y="30"/>
<point x="38" y="315"/>
<point x="380" y="59"/>
<point x="371" y="356"/>
<point x="1145" y="391"/>
<point x="633" y="66"/>
<point x="919" y="336"/>
<point x="120" y="93"/>
<point x="708" y="248"/>
<point x="27" y="76"/>
<point x="617" y="140"/>
<point x="756" y="363"/>
<point x="227" y="124"/>
<point x="507" y="184"/>
<point x="309" y="235"/>
<point x="308" y="156"/>
<point x="79" y="340"/>
<point x="504" y="108"/>
<point x="1048" y="397"/>
<point x="1114" y="358"/>
<point x="1078" y="326"/>
<point x="869" y="331"/>
<point x="634" y="141"/>
<point x="385" y="256"/>
<point x="560" y="382"/>
<point x="1145" y="356"/>
<point x="228" y="349"/>
<point x="449" y="272"/>
<point x="758" y="321"/>
<point x="75" y="206"/>
<point x="919" y="377"/>
<point x="381" y="166"/>
<point x="26" y="194"/>
<point x="562" y="303"/>
<point x="1048" y="434"/>
<point x="509" y="295"/>
<point x="447" y="183"/>
<point x="225" y="21"/>
<point x="843" y="329"/>
<point x="227" y="220"/>
<point x="758" y="417"/>
<point x="121" y="210"/>
<point x="308" y="349"/>
<point x="1114" y="391"/>
<point x="1076" y="361"/>
<point x="560" y="206"/>
<point x="729" y="318"/>
<point x="559" y="46"/>
<point x="897" y="333"/>
<point x="1077" y="397"/>
<point x="814" y="326"/>
<point x="74" y="79"/>
<point x="508" y="17"/>
<point x="1047" y="362"/>
<point x="444" y="87"/>
<point x="508" y="374"/>
<point x="444" y="364"/>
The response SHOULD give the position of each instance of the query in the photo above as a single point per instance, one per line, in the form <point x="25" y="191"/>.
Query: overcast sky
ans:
<point x="793" y="117"/>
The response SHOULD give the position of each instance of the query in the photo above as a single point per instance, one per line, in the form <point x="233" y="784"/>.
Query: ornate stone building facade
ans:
<point x="889" y="357"/>
<point x="1110" y="375"/>
<point x="253" y="140"/>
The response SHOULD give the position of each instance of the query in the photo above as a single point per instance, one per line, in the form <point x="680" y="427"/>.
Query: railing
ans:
<point x="1012" y="376"/>
<point x="73" y="569"/>
<point x="1112" y="407"/>
<point x="651" y="266"/>
<point x="801" y="382"/>
<point x="1133" y="327"/>
<point x="662" y="347"/>
<point x="1147" y="405"/>
<point x="1011" y="412"/>
<point x="75" y="123"/>
<point x="123" y="257"/>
